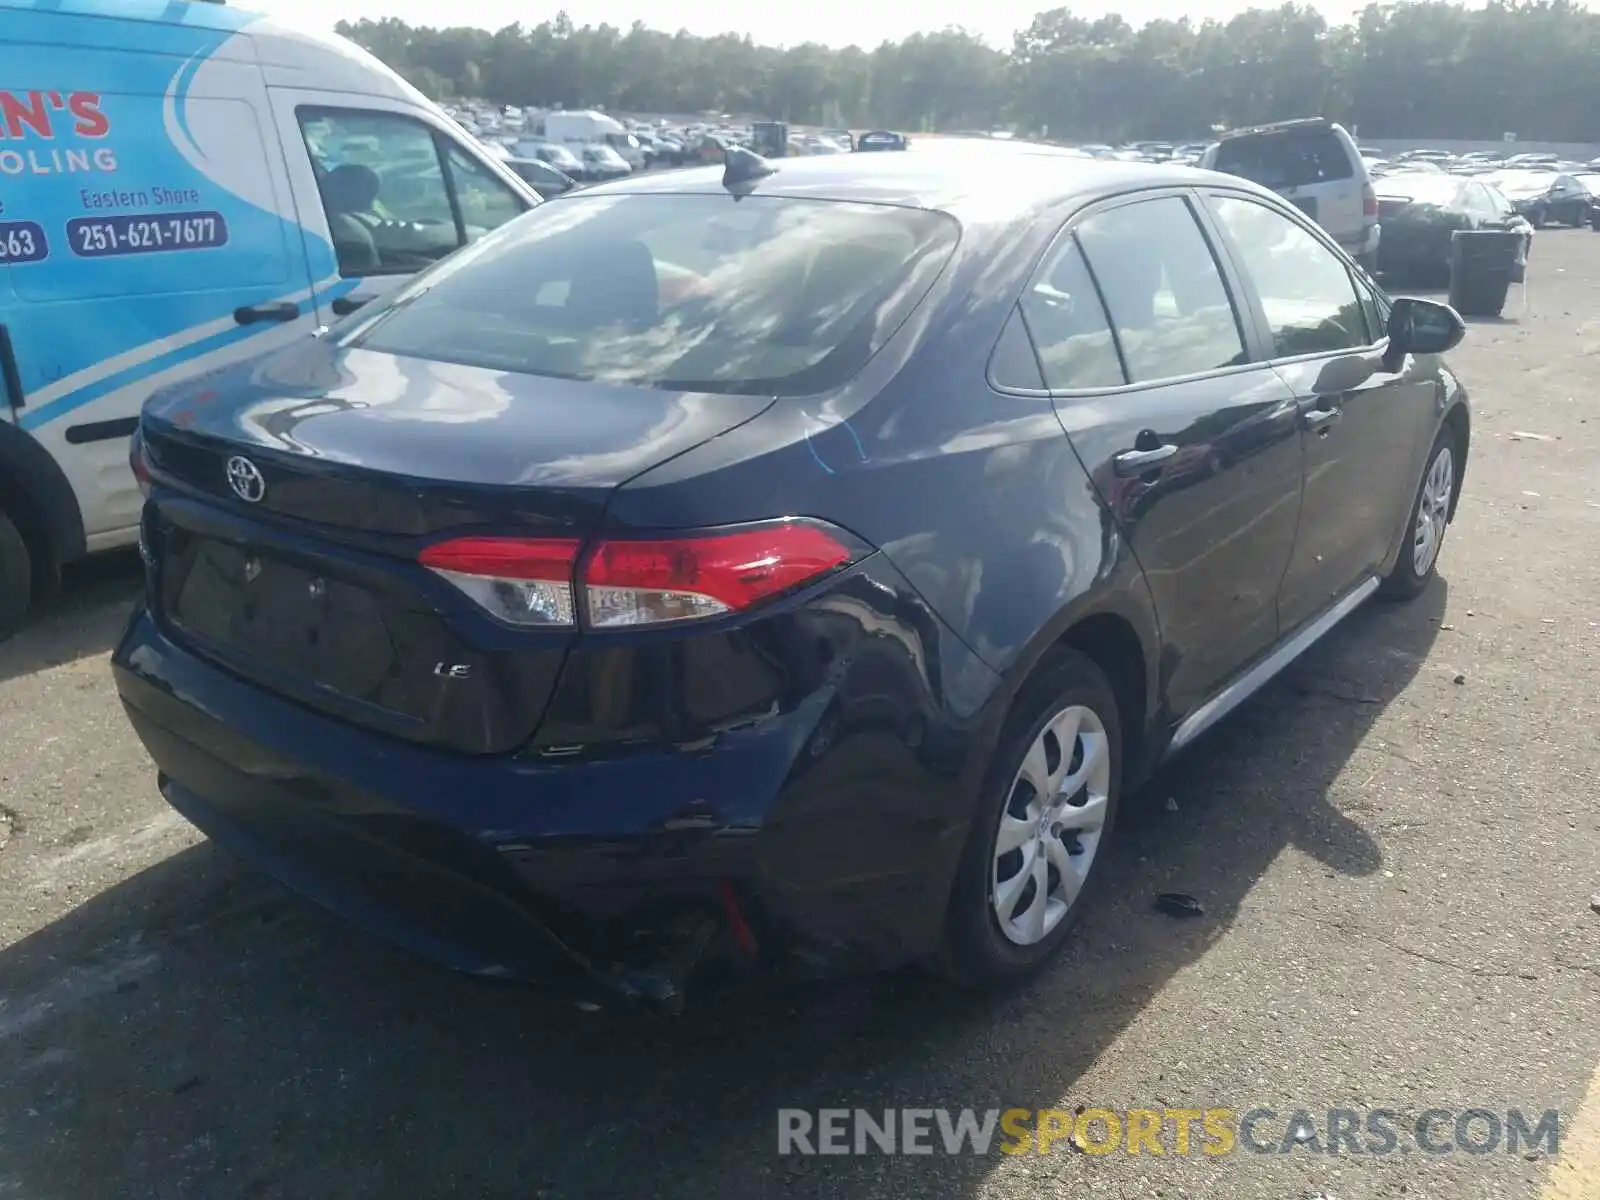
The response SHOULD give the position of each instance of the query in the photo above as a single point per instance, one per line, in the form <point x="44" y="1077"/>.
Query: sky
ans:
<point x="832" y="22"/>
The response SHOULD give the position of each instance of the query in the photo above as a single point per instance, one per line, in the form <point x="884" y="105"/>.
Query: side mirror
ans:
<point x="1423" y="327"/>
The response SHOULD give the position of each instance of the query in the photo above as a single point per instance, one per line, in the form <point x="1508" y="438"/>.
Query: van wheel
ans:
<point x="1043" y="819"/>
<point x="16" y="578"/>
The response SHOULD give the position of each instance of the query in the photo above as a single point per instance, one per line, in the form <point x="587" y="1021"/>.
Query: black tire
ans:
<point x="975" y="953"/>
<point x="16" y="578"/>
<point x="1403" y="581"/>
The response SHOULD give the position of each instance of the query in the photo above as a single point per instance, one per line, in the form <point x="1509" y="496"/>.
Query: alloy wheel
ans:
<point x="1433" y="511"/>
<point x="1051" y="826"/>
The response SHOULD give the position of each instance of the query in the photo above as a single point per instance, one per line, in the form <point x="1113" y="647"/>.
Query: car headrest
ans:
<point x="350" y="188"/>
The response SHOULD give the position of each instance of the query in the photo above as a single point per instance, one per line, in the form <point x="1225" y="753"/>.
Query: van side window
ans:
<point x="1163" y="290"/>
<point x="397" y="196"/>
<point x="486" y="203"/>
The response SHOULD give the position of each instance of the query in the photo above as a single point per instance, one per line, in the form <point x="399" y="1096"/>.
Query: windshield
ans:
<point x="1428" y="189"/>
<point x="559" y="155"/>
<point x="536" y="172"/>
<point x="1519" y="185"/>
<point x="764" y="295"/>
<point x="1286" y="160"/>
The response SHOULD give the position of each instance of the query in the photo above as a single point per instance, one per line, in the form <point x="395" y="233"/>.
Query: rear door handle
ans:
<point x="1136" y="462"/>
<point x="343" y="306"/>
<point x="281" y="310"/>
<point x="1320" y="420"/>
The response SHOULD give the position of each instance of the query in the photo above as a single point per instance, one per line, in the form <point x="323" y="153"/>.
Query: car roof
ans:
<point x="1271" y="128"/>
<point x="958" y="176"/>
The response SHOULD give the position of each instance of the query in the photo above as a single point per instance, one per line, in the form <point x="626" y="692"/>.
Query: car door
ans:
<point x="1364" y="423"/>
<point x="1193" y="446"/>
<point x="385" y="189"/>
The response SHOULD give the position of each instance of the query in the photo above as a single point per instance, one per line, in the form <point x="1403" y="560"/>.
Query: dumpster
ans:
<point x="1483" y="263"/>
<point x="770" y="139"/>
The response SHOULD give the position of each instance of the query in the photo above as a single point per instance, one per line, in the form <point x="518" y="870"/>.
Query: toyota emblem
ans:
<point x="244" y="477"/>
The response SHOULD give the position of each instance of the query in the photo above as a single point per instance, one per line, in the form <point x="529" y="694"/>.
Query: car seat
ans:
<point x="616" y="282"/>
<point x="347" y="190"/>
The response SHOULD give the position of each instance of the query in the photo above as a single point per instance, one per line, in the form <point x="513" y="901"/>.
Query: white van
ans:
<point x="586" y="127"/>
<point x="184" y="185"/>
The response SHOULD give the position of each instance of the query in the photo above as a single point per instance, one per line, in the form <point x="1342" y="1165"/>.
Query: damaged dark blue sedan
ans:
<point x="775" y="568"/>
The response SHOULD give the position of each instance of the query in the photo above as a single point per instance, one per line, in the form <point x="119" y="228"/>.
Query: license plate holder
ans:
<point x="296" y="621"/>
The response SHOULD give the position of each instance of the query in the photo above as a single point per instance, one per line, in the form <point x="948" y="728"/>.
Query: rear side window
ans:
<point x="1504" y="209"/>
<point x="759" y="295"/>
<point x="1286" y="160"/>
<point x="1069" y="325"/>
<point x="1163" y="290"/>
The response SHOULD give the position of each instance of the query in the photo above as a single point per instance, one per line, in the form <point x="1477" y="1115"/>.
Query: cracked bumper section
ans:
<point x="817" y="836"/>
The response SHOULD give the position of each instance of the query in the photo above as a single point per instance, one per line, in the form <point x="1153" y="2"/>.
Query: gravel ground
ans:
<point x="1395" y="847"/>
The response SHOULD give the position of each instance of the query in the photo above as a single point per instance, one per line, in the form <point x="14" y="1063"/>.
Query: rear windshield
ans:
<point x="1285" y="160"/>
<point x="1429" y="189"/>
<point x="1520" y="185"/>
<point x="758" y="295"/>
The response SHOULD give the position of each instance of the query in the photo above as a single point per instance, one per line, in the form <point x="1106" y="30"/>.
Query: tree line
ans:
<point x="1425" y="69"/>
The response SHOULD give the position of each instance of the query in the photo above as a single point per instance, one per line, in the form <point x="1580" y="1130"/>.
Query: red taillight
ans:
<point x="625" y="582"/>
<point x="523" y="581"/>
<point x="650" y="582"/>
<point x="138" y="463"/>
<point x="1369" y="201"/>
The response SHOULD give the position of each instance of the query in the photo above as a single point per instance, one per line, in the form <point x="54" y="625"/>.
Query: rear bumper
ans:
<point x="419" y="883"/>
<point x="818" y="838"/>
<point x="1365" y="244"/>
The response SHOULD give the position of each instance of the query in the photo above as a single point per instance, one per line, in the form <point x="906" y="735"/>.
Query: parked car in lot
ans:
<point x="1314" y="164"/>
<point x="1420" y="210"/>
<point x="815" y="613"/>
<point x="1568" y="201"/>
<point x="1590" y="182"/>
<point x="660" y="150"/>
<point x="560" y="157"/>
<point x="1544" y="197"/>
<point x="601" y="163"/>
<point x="542" y="177"/>
<point x="880" y="140"/>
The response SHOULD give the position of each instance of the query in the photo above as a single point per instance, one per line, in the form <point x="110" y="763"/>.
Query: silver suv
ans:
<point x="1315" y="165"/>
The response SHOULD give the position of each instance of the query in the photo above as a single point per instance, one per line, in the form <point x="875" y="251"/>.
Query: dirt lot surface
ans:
<point x="1395" y="847"/>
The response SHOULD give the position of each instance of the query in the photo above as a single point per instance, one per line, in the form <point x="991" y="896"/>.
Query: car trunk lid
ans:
<point x="300" y="489"/>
